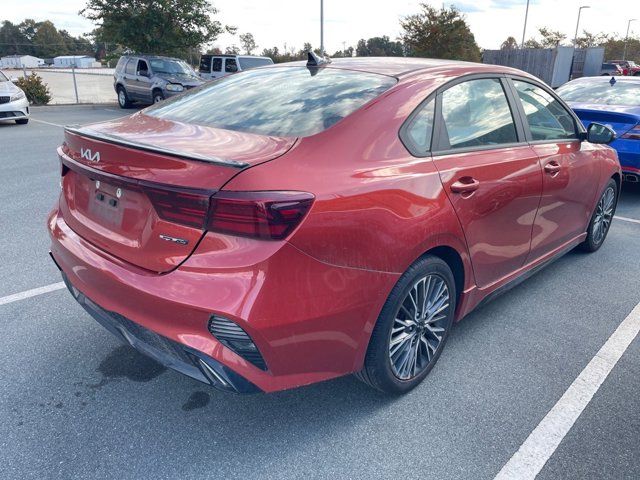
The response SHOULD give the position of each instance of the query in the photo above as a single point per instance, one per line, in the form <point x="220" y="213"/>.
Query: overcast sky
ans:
<point x="293" y="22"/>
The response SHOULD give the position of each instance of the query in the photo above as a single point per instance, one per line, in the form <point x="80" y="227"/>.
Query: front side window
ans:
<point x="279" y="101"/>
<point x="143" y="69"/>
<point x="477" y="114"/>
<point x="547" y="118"/>
<point x="217" y="65"/>
<point x="419" y="131"/>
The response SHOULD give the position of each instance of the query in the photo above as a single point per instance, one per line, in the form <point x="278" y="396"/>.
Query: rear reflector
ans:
<point x="267" y="215"/>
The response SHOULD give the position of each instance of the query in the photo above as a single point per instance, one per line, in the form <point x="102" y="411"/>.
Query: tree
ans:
<point x="532" y="43"/>
<point x="589" y="39"/>
<point x="170" y="27"/>
<point x="248" y="43"/>
<point x="551" y="38"/>
<point x="440" y="33"/>
<point x="614" y="47"/>
<point x="232" y="50"/>
<point x="509" y="44"/>
<point x="47" y="41"/>
<point x="12" y="40"/>
<point x="379" y="47"/>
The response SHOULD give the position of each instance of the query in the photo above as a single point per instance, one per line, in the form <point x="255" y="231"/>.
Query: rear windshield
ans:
<point x="601" y="92"/>
<point x="279" y="101"/>
<point x="247" y="63"/>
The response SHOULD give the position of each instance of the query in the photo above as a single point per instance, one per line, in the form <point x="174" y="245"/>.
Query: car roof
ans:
<point x="149" y="57"/>
<point x="404" y="66"/>
<point x="606" y="79"/>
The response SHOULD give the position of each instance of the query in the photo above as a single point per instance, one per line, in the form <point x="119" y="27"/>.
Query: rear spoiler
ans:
<point x="114" y="139"/>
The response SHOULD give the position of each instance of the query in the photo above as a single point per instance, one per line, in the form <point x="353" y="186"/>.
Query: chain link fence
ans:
<point x="74" y="85"/>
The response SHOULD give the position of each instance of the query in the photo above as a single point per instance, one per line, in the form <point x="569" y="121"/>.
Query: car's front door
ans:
<point x="491" y="175"/>
<point x="570" y="168"/>
<point x="143" y="81"/>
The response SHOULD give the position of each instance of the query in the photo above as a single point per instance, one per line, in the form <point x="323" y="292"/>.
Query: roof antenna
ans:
<point x="315" y="60"/>
<point x="612" y="82"/>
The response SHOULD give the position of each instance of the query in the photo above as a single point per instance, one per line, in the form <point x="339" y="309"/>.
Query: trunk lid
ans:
<point x="619" y="118"/>
<point x="139" y="187"/>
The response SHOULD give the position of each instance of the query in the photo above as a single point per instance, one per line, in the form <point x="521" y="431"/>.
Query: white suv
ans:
<point x="13" y="102"/>
<point x="215" y="66"/>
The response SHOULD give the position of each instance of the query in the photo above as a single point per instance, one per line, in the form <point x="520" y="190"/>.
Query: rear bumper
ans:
<point x="628" y="154"/>
<point x="310" y="321"/>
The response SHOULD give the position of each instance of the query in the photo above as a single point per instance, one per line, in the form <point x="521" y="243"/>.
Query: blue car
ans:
<point x="615" y="102"/>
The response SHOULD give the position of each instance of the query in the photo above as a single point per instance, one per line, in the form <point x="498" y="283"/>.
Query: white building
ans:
<point x="79" y="61"/>
<point x="19" y="61"/>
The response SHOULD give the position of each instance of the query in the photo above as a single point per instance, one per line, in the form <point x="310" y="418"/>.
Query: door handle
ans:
<point x="465" y="185"/>
<point x="552" y="167"/>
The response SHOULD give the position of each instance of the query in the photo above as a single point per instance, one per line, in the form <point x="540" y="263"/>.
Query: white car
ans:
<point x="13" y="102"/>
<point x="215" y="66"/>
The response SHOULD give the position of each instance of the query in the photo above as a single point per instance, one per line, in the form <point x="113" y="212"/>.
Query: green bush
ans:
<point x="35" y="89"/>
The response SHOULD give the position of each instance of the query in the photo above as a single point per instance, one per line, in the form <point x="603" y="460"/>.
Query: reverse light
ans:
<point x="267" y="215"/>
<point x="633" y="134"/>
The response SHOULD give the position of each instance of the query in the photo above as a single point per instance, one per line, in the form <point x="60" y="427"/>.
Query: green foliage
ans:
<point x="551" y="38"/>
<point x="41" y="39"/>
<point x="589" y="39"/>
<point x="288" y="55"/>
<point x="248" y="43"/>
<point x="509" y="44"/>
<point x="168" y="27"/>
<point x="613" y="48"/>
<point x="35" y="89"/>
<point x="442" y="33"/>
<point x="379" y="47"/>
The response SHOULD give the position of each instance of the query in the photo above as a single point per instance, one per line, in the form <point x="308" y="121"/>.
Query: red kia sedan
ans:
<point x="299" y="222"/>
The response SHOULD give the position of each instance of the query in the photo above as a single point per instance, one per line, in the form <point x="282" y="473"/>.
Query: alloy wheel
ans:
<point x="604" y="215"/>
<point x="419" y="326"/>
<point x="122" y="98"/>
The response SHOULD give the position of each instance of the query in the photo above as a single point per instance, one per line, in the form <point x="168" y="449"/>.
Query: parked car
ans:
<point x="616" y="103"/>
<point x="325" y="219"/>
<point x="151" y="79"/>
<point x="13" y="102"/>
<point x="628" y="67"/>
<point x="611" y="69"/>
<point x="216" y="66"/>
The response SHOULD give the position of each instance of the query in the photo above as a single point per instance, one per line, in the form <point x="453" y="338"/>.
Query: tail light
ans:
<point x="179" y="206"/>
<point x="633" y="134"/>
<point x="267" y="215"/>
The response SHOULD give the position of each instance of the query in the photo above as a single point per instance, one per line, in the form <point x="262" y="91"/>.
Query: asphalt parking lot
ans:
<point x="75" y="403"/>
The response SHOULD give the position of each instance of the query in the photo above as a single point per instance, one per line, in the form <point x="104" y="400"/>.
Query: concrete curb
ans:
<point x="94" y="106"/>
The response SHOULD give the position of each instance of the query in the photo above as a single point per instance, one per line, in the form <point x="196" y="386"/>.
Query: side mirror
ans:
<point x="598" y="133"/>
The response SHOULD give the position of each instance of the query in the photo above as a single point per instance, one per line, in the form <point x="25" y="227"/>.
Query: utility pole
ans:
<point x="321" y="27"/>
<point x="524" y="30"/>
<point x="626" y="39"/>
<point x="575" y="37"/>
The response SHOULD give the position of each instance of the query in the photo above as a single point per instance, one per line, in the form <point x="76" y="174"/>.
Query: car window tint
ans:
<point x="476" y="113"/>
<point x="230" y="65"/>
<point x="282" y="101"/>
<point x="205" y="64"/>
<point x="130" y="69"/>
<point x="142" y="66"/>
<point x="547" y="118"/>
<point x="3" y="77"/>
<point x="217" y="65"/>
<point x="420" y="129"/>
<point x="602" y="92"/>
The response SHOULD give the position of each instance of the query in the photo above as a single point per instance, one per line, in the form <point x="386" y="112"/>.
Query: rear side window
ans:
<point x="547" y="118"/>
<point x="130" y="69"/>
<point x="247" y="63"/>
<point x="417" y="134"/>
<point x="280" y="101"/>
<point x="230" y="65"/>
<point x="477" y="114"/>
<point x="217" y="65"/>
<point x="121" y="64"/>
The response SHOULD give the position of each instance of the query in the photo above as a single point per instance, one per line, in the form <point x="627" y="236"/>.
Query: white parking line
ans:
<point x="31" y="293"/>
<point x="536" y="450"/>
<point x="627" y="219"/>
<point x="46" y="123"/>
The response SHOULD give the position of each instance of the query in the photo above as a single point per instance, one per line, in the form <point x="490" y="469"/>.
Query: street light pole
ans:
<point x="575" y="37"/>
<point x="524" y="30"/>
<point x="626" y="39"/>
<point x="321" y="27"/>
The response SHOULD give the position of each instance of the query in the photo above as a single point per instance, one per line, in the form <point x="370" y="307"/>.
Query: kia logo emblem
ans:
<point x="90" y="156"/>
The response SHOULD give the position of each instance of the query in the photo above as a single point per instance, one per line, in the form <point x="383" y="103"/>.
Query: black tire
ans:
<point x="596" y="236"/>
<point x="378" y="371"/>
<point x="22" y="121"/>
<point x="157" y="96"/>
<point x="123" y="98"/>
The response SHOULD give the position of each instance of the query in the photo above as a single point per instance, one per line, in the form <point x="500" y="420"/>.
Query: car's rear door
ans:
<point x="490" y="173"/>
<point x="571" y="168"/>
